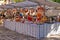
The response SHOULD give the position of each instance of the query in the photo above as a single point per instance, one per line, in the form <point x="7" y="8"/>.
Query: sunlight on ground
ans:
<point x="54" y="32"/>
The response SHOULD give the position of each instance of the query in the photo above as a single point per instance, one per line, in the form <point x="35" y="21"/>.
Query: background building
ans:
<point x="2" y="2"/>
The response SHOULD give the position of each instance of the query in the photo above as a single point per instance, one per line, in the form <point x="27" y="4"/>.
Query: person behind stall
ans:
<point x="17" y="13"/>
<point x="3" y="16"/>
<point x="40" y="15"/>
<point x="26" y="11"/>
<point x="6" y="14"/>
<point x="21" y="12"/>
<point x="1" y="21"/>
<point x="22" y="15"/>
<point x="44" y="17"/>
<point x="32" y="12"/>
<point x="9" y="13"/>
<point x="41" y="9"/>
<point x="17" y="17"/>
<point x="58" y="18"/>
<point x="29" y="17"/>
<point x="14" y="11"/>
<point x="12" y="14"/>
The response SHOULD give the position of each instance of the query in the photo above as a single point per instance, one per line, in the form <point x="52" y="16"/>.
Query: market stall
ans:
<point x="6" y="6"/>
<point x="25" y="4"/>
<point x="36" y="22"/>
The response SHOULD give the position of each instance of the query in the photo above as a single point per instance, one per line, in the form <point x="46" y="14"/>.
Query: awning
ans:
<point x="6" y="7"/>
<point x="25" y="4"/>
<point x="47" y="2"/>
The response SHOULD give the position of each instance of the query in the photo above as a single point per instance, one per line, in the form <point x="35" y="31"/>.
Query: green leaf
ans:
<point x="54" y="0"/>
<point x="58" y="1"/>
<point x="18" y="1"/>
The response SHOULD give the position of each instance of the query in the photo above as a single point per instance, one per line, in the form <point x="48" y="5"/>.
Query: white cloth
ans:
<point x="26" y="13"/>
<point x="34" y="13"/>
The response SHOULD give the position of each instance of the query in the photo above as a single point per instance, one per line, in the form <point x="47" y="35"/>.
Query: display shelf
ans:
<point x="34" y="30"/>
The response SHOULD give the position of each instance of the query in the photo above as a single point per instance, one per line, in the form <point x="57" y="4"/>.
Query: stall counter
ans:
<point x="34" y="30"/>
